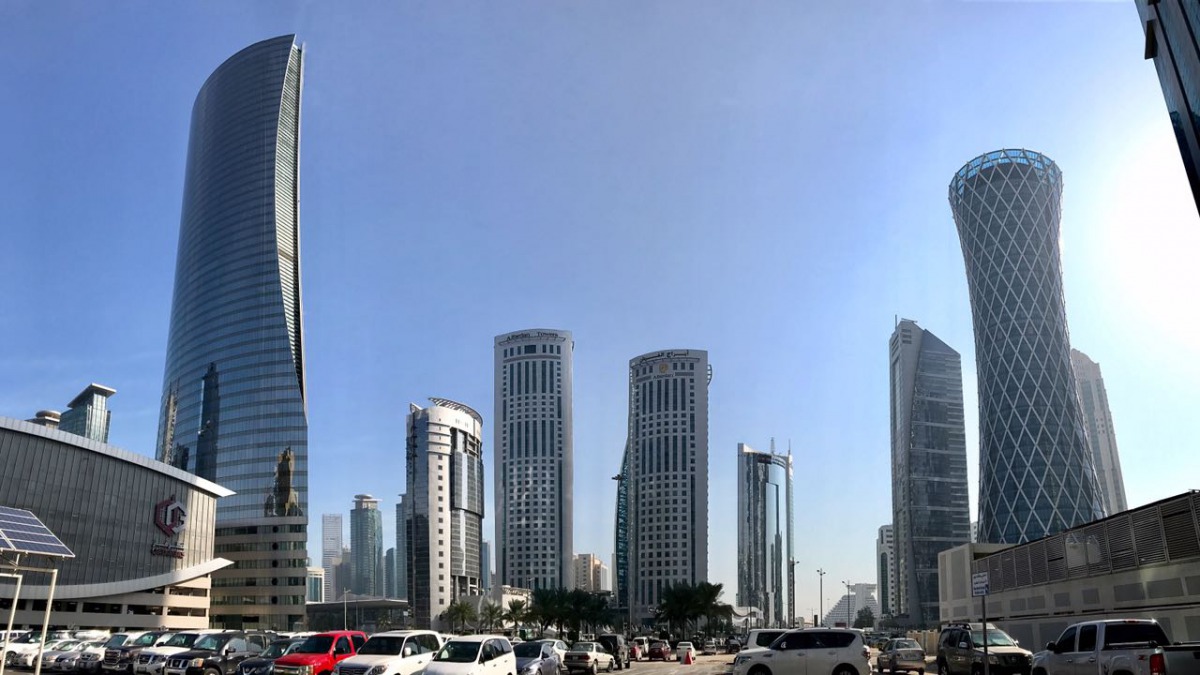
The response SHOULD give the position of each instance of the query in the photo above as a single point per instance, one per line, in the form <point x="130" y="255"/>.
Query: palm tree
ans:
<point x="707" y="603"/>
<point x="459" y="612"/>
<point x="490" y="614"/>
<point x="550" y="607"/>
<point x="517" y="613"/>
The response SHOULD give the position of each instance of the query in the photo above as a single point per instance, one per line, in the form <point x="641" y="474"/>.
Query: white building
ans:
<point x="885" y="557"/>
<point x="591" y="575"/>
<point x="1097" y="419"/>
<point x="331" y="552"/>
<point x="443" y="508"/>
<point x="668" y="474"/>
<point x="847" y="607"/>
<point x="533" y="454"/>
<point x="316" y="585"/>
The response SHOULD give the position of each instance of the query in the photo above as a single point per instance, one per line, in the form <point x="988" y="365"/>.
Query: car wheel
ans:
<point x="594" y="669"/>
<point x="611" y="663"/>
<point x="845" y="670"/>
<point x="942" y="669"/>
<point x="759" y="670"/>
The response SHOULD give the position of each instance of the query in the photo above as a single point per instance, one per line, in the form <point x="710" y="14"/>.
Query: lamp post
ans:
<point x="821" y="596"/>
<point x="792" y="562"/>
<point x="847" y="584"/>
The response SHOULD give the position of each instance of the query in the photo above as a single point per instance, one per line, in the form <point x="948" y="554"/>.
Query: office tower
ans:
<point x="885" y="554"/>
<point x="233" y="405"/>
<point x="1102" y="438"/>
<point x="389" y="573"/>
<point x="402" y="552"/>
<point x="485" y="565"/>
<point x="590" y="573"/>
<point x="315" y="585"/>
<point x="668" y="474"/>
<point x="366" y="546"/>
<point x="765" y="535"/>
<point x="621" y="537"/>
<point x="87" y="414"/>
<point x="443" y="508"/>
<point x="1171" y="40"/>
<point x="931" y="511"/>
<point x="331" y="550"/>
<point x="533" y="451"/>
<point x="1035" y="476"/>
<point x="343" y="572"/>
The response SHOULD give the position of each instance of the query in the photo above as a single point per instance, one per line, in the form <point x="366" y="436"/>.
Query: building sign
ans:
<point x="167" y="550"/>
<point x="979" y="584"/>
<point x="533" y="335"/>
<point x="170" y="516"/>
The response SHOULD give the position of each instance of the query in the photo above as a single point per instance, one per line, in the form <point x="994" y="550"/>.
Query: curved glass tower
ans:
<point x="1035" y="476"/>
<point x="765" y="535"/>
<point x="233" y="388"/>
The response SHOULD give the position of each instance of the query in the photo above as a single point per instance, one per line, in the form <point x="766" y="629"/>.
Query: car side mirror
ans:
<point x="407" y="652"/>
<point x="228" y="651"/>
<point x="1052" y="647"/>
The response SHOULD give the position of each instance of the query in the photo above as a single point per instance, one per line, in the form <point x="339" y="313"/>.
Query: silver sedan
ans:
<point x="900" y="654"/>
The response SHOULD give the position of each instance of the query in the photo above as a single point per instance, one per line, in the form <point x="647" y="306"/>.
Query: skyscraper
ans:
<point x="1102" y="437"/>
<point x="931" y="511"/>
<point x="668" y="474"/>
<point x="621" y="536"/>
<point x="233" y="405"/>
<point x="443" y="508"/>
<point x="1035" y="476"/>
<point x="366" y="547"/>
<point x="885" y="554"/>
<point x="331" y="551"/>
<point x="1171" y="40"/>
<point x="590" y="573"/>
<point x="402" y="551"/>
<point x="765" y="535"/>
<point x="485" y="565"/>
<point x="389" y="573"/>
<point x="533" y="451"/>
<point x="88" y="414"/>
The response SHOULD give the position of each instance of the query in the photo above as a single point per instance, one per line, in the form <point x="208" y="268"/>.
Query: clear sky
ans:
<point x="763" y="180"/>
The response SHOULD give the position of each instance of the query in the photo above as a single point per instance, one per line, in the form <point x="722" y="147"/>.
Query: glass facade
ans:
<point x="233" y="388"/>
<point x="1035" y="475"/>
<point x="621" y="534"/>
<point x="1171" y="28"/>
<point x="668" y="475"/>
<point x="366" y="547"/>
<point x="930" y="507"/>
<point x="534" y="451"/>
<point x="331" y="551"/>
<point x="442" y="509"/>
<point x="88" y="414"/>
<point x="766" y="536"/>
<point x="1093" y="399"/>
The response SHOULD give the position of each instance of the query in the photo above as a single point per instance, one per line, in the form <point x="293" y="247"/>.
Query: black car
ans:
<point x="615" y="644"/>
<point x="217" y="653"/>
<point x="264" y="663"/>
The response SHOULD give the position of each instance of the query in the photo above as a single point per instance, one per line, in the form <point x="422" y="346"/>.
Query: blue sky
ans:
<point x="766" y="181"/>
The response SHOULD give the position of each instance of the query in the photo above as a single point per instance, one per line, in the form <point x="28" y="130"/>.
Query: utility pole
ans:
<point x="847" y="584"/>
<point x="821" y="597"/>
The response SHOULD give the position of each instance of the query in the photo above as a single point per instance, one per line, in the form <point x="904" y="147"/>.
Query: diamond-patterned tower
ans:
<point x="1036" y="475"/>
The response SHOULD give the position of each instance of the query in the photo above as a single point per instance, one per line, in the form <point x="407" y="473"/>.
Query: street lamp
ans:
<point x="792" y="562"/>
<point x="821" y="596"/>
<point x="847" y="584"/>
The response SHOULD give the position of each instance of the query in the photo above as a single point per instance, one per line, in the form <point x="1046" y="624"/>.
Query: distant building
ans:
<point x="389" y="573"/>
<point x="46" y="418"/>
<point x="974" y="531"/>
<point x="589" y="572"/>
<point x="1097" y="418"/>
<point x="316" y="585"/>
<point x="885" y="556"/>
<point x="444" y="508"/>
<point x="402" y="551"/>
<point x="1036" y="475"/>
<point x="1171" y="40"/>
<point x="87" y="414"/>
<point x="931" y="511"/>
<point x="846" y="610"/>
<point x="331" y="551"/>
<point x="765" y="536"/>
<point x="485" y="565"/>
<point x="366" y="547"/>
<point x="668" y="474"/>
<point x="533" y="452"/>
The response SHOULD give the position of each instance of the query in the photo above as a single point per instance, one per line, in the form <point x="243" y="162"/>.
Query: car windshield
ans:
<point x="583" y="647"/>
<point x="457" y="651"/>
<point x="995" y="638"/>
<point x="905" y="644"/>
<point x="116" y="640"/>
<point x="383" y="645"/>
<point x="276" y="649"/>
<point x="67" y="645"/>
<point x="317" y="644"/>
<point x="181" y="640"/>
<point x="528" y="649"/>
<point x="212" y="643"/>
<point x="147" y="639"/>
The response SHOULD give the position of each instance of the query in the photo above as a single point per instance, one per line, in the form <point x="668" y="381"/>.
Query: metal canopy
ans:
<point x="23" y="532"/>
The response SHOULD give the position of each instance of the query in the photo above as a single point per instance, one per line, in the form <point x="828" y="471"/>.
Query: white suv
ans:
<point x="395" y="652"/>
<point x="812" y="651"/>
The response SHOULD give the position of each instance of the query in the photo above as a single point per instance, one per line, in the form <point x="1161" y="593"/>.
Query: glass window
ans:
<point x="1066" y="641"/>
<point x="1087" y="638"/>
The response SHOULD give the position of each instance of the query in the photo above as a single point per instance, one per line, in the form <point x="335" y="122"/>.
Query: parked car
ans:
<point x="319" y="654"/>
<point x="217" y="653"/>
<point x="121" y="659"/>
<point x="559" y="647"/>
<point x="536" y="658"/>
<point x="709" y="647"/>
<point x="75" y="660"/>
<point x="152" y="659"/>
<point x="615" y="644"/>
<point x="659" y="651"/>
<point x="732" y="645"/>
<point x="590" y="657"/>
<point x="396" y="652"/>
<point x="683" y="649"/>
<point x="960" y="651"/>
<point x="264" y="663"/>
<point x="49" y="655"/>
<point x="22" y="654"/>
<point x="809" y="651"/>
<point x="474" y="655"/>
<point x="900" y="654"/>
<point x="1132" y="646"/>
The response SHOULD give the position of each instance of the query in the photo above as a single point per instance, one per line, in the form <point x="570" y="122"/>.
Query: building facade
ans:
<point x="144" y="553"/>
<point x="930" y="507"/>
<point x="402" y="548"/>
<point x="366" y="547"/>
<point x="534" y="465"/>
<point x="857" y="598"/>
<point x="1036" y="475"/>
<point x="668" y="475"/>
<point x="443" y="508"/>
<point x="590" y="573"/>
<point x="233" y="405"/>
<point x="621" y="544"/>
<point x="766" y="535"/>
<point x="332" y="534"/>
<point x="1171" y="40"/>
<point x="87" y="414"/>
<point x="885" y="574"/>
<point x="316" y="585"/>
<point x="1102" y="437"/>
<point x="389" y="573"/>
<point x="485" y="564"/>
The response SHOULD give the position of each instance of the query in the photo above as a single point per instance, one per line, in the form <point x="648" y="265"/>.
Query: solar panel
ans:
<point x="23" y="532"/>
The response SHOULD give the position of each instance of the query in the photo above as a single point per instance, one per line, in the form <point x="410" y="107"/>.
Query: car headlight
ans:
<point x="306" y="670"/>
<point x="993" y="659"/>
<point x="377" y="670"/>
<point x="196" y="663"/>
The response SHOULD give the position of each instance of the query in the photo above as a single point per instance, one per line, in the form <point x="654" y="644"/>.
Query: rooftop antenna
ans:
<point x="772" y="445"/>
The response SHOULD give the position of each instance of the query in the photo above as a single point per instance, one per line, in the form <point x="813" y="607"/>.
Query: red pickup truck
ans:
<point x="319" y="653"/>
